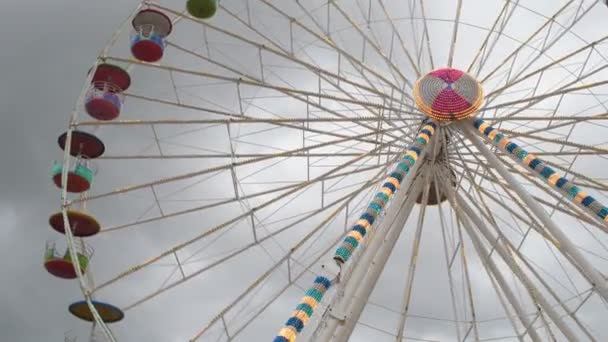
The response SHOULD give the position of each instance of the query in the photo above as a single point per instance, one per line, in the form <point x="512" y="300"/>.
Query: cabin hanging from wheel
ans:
<point x="81" y="223"/>
<point x="104" y="98"/>
<point x="61" y="265"/>
<point x="151" y="27"/>
<point x="80" y="176"/>
<point x="202" y="9"/>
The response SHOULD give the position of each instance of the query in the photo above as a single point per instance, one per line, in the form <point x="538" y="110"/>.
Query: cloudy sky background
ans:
<point x="46" y="52"/>
<point x="49" y="46"/>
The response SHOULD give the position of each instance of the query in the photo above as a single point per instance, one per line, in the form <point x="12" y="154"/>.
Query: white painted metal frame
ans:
<point x="388" y="124"/>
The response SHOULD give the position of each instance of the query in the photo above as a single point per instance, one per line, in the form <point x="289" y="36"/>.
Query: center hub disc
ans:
<point x="448" y="95"/>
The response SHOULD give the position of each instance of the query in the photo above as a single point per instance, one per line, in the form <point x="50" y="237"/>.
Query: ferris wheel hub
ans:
<point x="448" y="94"/>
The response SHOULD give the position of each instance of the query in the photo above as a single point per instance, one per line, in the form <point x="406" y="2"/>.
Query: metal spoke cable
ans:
<point x="394" y="69"/>
<point x="233" y="200"/>
<point x="214" y="169"/>
<point x="564" y="245"/>
<point x="516" y="251"/>
<point x="590" y="46"/>
<point x="547" y="45"/>
<point x="527" y="41"/>
<point x="330" y="76"/>
<point x="304" y="311"/>
<point x="492" y="268"/>
<point x="259" y="242"/>
<point x="296" y="93"/>
<point x="225" y="224"/>
<point x="327" y="39"/>
<point x="455" y="34"/>
<point x="483" y="49"/>
<point x="539" y="167"/>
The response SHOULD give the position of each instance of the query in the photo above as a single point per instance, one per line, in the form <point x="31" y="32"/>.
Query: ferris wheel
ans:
<point x="348" y="170"/>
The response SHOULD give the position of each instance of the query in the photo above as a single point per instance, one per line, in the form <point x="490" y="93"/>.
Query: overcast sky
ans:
<point x="46" y="51"/>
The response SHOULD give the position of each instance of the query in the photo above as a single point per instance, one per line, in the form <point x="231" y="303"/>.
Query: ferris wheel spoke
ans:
<point x="532" y="225"/>
<point x="517" y="80"/>
<point x="414" y="31"/>
<point x="225" y="224"/>
<point x="547" y="24"/>
<point x="324" y="74"/>
<point x="517" y="218"/>
<point x="394" y="70"/>
<point x="480" y="203"/>
<point x="238" y="155"/>
<point x="236" y="198"/>
<point x="491" y="267"/>
<point x="407" y="291"/>
<point x="535" y="302"/>
<point x="425" y="39"/>
<point x="540" y="168"/>
<point x="293" y="58"/>
<point x="324" y="190"/>
<point x="506" y="250"/>
<point x="449" y="260"/>
<point x="365" y="26"/>
<point x="358" y="64"/>
<point x="236" y="117"/>
<point x="469" y="175"/>
<point x="458" y="249"/>
<point x="562" y="95"/>
<point x="529" y="220"/>
<point x="536" y="226"/>
<point x="546" y="45"/>
<point x="261" y="84"/>
<point x="291" y="279"/>
<point x="562" y="91"/>
<point x="212" y="169"/>
<point x="455" y="34"/>
<point x="247" y="247"/>
<point x="501" y="202"/>
<point x="484" y="52"/>
<point x="415" y="64"/>
<point x="220" y="203"/>
<point x="536" y="99"/>
<point x="591" y="149"/>
<point x="342" y="202"/>
<point x="555" y="122"/>
<point x="538" y="277"/>
<point x="568" y="123"/>
<point x="304" y="96"/>
<point x="581" y="179"/>
<point x="572" y="210"/>
<point x="565" y="245"/>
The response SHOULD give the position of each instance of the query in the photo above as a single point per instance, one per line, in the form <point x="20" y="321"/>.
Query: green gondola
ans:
<point x="202" y="9"/>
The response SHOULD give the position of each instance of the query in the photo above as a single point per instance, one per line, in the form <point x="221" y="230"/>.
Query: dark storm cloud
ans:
<point x="47" y="48"/>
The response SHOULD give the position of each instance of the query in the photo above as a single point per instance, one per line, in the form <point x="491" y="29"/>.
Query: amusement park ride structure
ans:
<point x="448" y="112"/>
